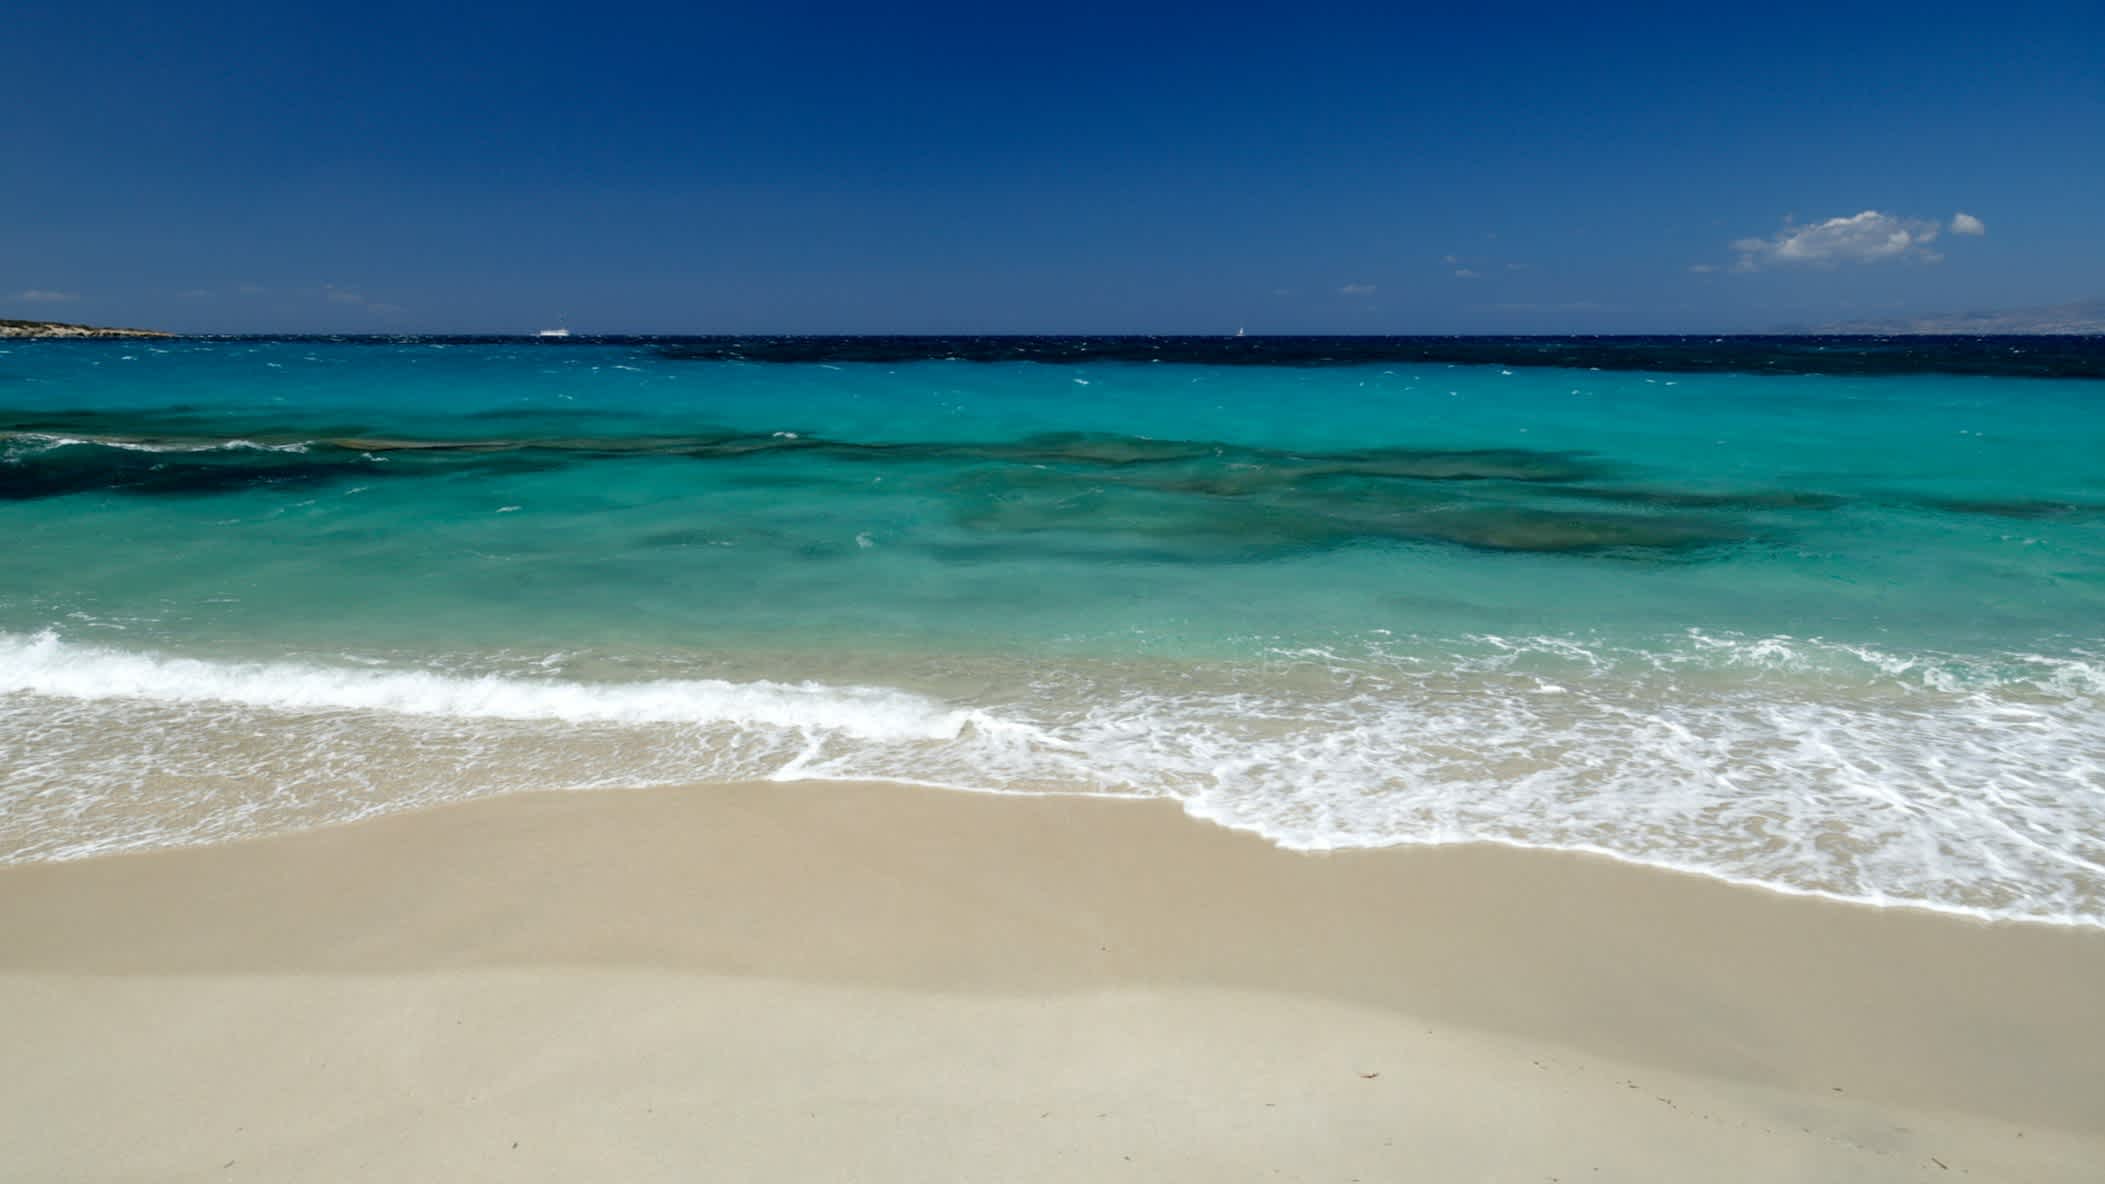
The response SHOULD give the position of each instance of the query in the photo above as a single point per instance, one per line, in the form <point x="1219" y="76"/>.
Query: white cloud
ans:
<point x="46" y="296"/>
<point x="1450" y="260"/>
<point x="1869" y="237"/>
<point x="1702" y="268"/>
<point x="1516" y="267"/>
<point x="342" y="296"/>
<point x="1968" y="224"/>
<point x="252" y="289"/>
<point x="1356" y="290"/>
<point x="1464" y="274"/>
<point x="195" y="294"/>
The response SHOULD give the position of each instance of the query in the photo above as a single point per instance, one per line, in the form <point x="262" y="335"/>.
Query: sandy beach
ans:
<point x="853" y="982"/>
<point x="829" y="593"/>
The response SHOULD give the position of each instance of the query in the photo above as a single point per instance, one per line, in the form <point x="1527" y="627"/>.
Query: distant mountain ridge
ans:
<point x="2075" y="317"/>
<point x="12" y="328"/>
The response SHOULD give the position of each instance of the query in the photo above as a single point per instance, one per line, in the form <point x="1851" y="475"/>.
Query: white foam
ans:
<point x="44" y="665"/>
<point x="42" y="441"/>
<point x="1970" y="784"/>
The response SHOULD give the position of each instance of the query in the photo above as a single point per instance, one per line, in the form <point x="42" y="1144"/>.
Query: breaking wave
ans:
<point x="1971" y="784"/>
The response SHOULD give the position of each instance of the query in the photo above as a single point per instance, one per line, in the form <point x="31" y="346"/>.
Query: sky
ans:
<point x="809" y="167"/>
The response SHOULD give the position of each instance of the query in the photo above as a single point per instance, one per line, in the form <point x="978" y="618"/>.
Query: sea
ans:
<point x="1823" y="615"/>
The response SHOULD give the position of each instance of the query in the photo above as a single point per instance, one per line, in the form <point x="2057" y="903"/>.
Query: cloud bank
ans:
<point x="46" y="296"/>
<point x="1868" y="237"/>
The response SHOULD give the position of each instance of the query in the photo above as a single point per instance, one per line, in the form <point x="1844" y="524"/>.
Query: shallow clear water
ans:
<point x="1830" y="632"/>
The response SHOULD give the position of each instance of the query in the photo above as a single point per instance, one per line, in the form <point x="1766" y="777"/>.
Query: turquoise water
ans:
<point x="1826" y="632"/>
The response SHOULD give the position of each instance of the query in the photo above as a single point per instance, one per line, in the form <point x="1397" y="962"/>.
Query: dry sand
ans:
<point x="877" y="983"/>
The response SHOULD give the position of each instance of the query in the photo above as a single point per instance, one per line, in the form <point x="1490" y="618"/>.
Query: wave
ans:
<point x="24" y="443"/>
<point x="44" y="665"/>
<point x="1971" y="784"/>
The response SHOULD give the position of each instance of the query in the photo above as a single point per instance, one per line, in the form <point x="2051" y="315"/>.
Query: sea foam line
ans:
<point x="43" y="664"/>
<point x="43" y="442"/>
<point x="1881" y="779"/>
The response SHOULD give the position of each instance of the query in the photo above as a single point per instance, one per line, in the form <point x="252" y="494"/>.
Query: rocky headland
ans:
<point x="11" y="328"/>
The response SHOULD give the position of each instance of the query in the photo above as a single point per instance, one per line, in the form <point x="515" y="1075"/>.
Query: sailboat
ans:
<point x="553" y="333"/>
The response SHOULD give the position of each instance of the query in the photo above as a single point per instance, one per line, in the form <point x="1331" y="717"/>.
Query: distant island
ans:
<point x="10" y="328"/>
<point x="2077" y="317"/>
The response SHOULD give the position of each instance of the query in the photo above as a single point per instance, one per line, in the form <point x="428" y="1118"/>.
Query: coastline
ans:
<point x="30" y="330"/>
<point x="884" y="982"/>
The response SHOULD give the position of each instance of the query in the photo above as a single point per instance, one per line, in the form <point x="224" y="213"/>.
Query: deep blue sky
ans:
<point x="821" y="167"/>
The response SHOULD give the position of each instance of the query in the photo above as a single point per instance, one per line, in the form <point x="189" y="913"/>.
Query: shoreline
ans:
<point x="1951" y="912"/>
<point x="1097" y="944"/>
<point x="1995" y="832"/>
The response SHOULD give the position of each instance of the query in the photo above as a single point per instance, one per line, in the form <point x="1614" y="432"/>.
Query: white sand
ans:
<point x="874" y="983"/>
